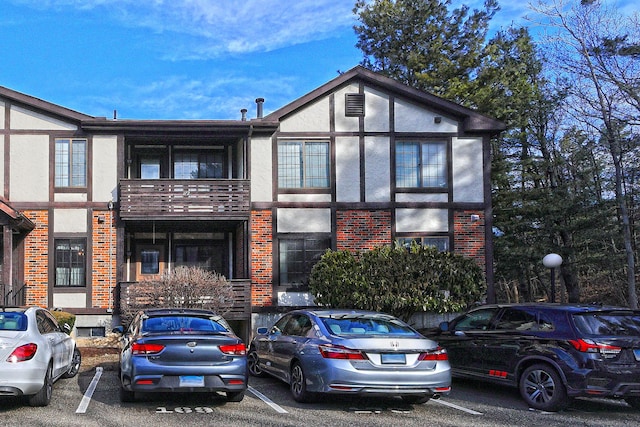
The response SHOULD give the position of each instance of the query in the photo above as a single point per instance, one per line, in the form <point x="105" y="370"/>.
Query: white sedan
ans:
<point x="34" y="352"/>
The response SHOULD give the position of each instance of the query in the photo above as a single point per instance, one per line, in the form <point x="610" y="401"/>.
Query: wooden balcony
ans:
<point x="240" y="310"/>
<point x="172" y="199"/>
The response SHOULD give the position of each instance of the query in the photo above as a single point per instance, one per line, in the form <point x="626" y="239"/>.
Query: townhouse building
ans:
<point x="91" y="205"/>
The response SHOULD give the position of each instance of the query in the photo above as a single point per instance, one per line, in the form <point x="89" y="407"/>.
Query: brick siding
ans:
<point x="261" y="258"/>
<point x="362" y="230"/>
<point x="469" y="235"/>
<point x="36" y="259"/>
<point x="103" y="261"/>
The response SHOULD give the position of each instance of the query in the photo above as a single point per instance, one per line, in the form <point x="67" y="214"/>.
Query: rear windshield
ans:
<point x="10" y="321"/>
<point x="182" y="324"/>
<point x="359" y="325"/>
<point x="608" y="324"/>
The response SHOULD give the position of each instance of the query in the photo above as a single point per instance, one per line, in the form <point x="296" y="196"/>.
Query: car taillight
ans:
<point x="146" y="349"/>
<point x="23" y="353"/>
<point x="330" y="351"/>
<point x="234" y="349"/>
<point x="590" y="346"/>
<point x="438" y="354"/>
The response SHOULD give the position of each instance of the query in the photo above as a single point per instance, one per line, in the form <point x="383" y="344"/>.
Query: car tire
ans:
<point x="298" y="384"/>
<point x="74" y="368"/>
<point x="235" y="396"/>
<point x="541" y="388"/>
<point x="253" y="364"/>
<point x="416" y="400"/>
<point x="43" y="396"/>
<point x="127" y="395"/>
<point x="634" y="402"/>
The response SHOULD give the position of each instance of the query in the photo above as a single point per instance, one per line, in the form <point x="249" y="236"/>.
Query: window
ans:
<point x="298" y="256"/>
<point x="208" y="256"/>
<point x="195" y="165"/>
<point x="150" y="168"/>
<point x="421" y="164"/>
<point x="440" y="243"/>
<point x="70" y="262"/>
<point x="475" y="320"/>
<point x="303" y="164"/>
<point x="149" y="261"/>
<point x="71" y="163"/>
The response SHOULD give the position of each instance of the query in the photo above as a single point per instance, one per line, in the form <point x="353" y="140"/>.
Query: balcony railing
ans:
<point x="240" y="309"/>
<point x="184" y="199"/>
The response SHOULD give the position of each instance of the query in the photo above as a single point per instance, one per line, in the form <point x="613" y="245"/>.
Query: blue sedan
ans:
<point x="350" y="352"/>
<point x="181" y="350"/>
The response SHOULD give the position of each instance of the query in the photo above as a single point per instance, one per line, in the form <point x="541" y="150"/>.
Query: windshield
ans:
<point x="10" y="321"/>
<point x="609" y="323"/>
<point x="367" y="325"/>
<point x="181" y="324"/>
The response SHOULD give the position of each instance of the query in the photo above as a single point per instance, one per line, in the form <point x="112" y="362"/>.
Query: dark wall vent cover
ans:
<point x="354" y="104"/>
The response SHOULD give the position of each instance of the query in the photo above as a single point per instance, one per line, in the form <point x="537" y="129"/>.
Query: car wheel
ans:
<point x="127" y="395"/>
<point x="416" y="400"/>
<point x="634" y="402"/>
<point x="298" y="384"/>
<point x="253" y="364"/>
<point x="74" y="368"/>
<point x="541" y="388"/>
<point x="43" y="397"/>
<point x="235" y="396"/>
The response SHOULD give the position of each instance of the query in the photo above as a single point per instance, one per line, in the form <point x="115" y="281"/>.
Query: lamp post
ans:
<point x="552" y="261"/>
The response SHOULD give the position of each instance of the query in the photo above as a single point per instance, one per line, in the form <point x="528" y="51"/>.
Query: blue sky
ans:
<point x="180" y="59"/>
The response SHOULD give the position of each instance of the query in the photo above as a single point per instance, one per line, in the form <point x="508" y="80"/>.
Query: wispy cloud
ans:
<point x="205" y="29"/>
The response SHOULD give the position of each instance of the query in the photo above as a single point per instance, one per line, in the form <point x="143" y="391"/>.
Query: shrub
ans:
<point x="397" y="280"/>
<point x="183" y="287"/>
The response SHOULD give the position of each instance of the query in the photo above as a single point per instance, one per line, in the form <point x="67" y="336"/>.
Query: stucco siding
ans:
<point x="347" y="169"/>
<point x="310" y="220"/>
<point x="105" y="166"/>
<point x="70" y="221"/>
<point x="422" y="220"/>
<point x="26" y="119"/>
<point x="2" y="109"/>
<point x="261" y="177"/>
<point x="344" y="123"/>
<point x="377" y="169"/>
<point x="467" y="170"/>
<point x="376" y="111"/>
<point x="29" y="175"/>
<point x="313" y="118"/>
<point x="412" y="118"/>
<point x="305" y="198"/>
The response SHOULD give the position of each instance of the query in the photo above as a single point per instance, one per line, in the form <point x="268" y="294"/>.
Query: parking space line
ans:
<point x="454" y="406"/>
<point x="86" y="399"/>
<point x="268" y="401"/>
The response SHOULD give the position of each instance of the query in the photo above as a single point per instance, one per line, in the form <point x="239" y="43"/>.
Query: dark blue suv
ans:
<point x="551" y="352"/>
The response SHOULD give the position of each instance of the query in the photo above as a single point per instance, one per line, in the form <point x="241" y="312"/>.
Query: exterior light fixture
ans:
<point x="552" y="261"/>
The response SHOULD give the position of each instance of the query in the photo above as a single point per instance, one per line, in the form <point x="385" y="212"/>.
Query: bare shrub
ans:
<point x="183" y="287"/>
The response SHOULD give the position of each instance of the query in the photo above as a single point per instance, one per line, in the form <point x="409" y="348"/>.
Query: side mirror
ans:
<point x="262" y="330"/>
<point x="444" y="326"/>
<point x="118" y="330"/>
<point x="66" y="328"/>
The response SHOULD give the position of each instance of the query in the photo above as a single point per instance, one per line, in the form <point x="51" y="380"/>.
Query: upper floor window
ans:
<point x="421" y="164"/>
<point x="303" y="164"/>
<point x="196" y="165"/>
<point x="70" y="262"/>
<point x="71" y="162"/>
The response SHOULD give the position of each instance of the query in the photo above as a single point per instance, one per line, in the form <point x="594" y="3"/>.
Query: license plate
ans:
<point x="637" y="354"/>
<point x="192" y="381"/>
<point x="393" y="359"/>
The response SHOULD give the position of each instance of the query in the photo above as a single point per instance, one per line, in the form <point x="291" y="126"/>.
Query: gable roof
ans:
<point x="472" y="120"/>
<point x="39" y="105"/>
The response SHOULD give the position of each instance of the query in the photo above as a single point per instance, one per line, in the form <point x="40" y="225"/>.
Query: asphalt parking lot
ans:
<point x="91" y="399"/>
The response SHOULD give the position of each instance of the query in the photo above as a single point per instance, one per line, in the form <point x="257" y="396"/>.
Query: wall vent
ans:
<point x="354" y="104"/>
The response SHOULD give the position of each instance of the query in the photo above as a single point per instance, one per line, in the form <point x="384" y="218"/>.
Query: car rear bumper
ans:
<point x="172" y="383"/>
<point x="342" y="377"/>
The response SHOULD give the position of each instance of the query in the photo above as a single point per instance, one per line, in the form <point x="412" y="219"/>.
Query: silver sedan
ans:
<point x="350" y="352"/>
<point x="34" y="352"/>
